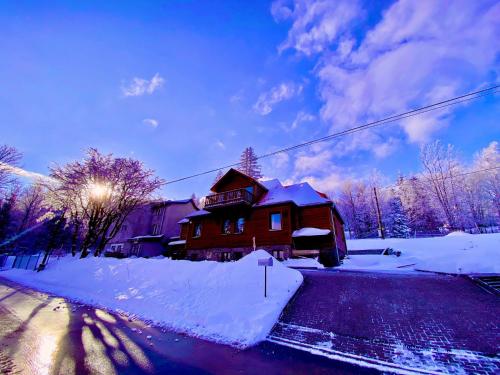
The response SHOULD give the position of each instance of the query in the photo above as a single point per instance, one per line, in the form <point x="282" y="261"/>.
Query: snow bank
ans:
<point x="310" y="232"/>
<point x="222" y="302"/>
<point x="455" y="253"/>
<point x="302" y="263"/>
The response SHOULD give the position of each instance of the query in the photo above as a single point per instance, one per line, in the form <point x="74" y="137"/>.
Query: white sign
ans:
<point x="266" y="262"/>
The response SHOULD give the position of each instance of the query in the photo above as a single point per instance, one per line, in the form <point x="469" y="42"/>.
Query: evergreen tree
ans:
<point x="249" y="164"/>
<point x="6" y="207"/>
<point x="398" y="221"/>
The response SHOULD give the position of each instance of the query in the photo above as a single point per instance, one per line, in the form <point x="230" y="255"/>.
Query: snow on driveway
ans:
<point x="457" y="253"/>
<point x="222" y="302"/>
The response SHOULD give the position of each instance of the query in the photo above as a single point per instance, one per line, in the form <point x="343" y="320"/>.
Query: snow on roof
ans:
<point x="178" y="242"/>
<point x="198" y="213"/>
<point x="309" y="232"/>
<point x="146" y="237"/>
<point x="301" y="194"/>
<point x="183" y="221"/>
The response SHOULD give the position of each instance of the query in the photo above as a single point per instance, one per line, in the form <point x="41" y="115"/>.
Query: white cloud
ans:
<point x="302" y="117"/>
<point x="418" y="53"/>
<point x="25" y="173"/>
<point x="141" y="86"/>
<point x="316" y="23"/>
<point x="220" y="144"/>
<point x="284" y="91"/>
<point x="280" y="160"/>
<point x="151" y="122"/>
<point x="312" y="162"/>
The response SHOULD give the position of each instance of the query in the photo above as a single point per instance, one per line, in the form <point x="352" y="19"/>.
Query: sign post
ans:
<point x="266" y="262"/>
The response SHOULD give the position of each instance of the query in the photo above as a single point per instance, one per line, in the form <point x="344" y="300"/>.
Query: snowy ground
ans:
<point x="222" y="302"/>
<point x="303" y="263"/>
<point x="458" y="253"/>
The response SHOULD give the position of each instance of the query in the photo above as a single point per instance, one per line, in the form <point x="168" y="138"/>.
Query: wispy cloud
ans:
<point x="25" y="173"/>
<point x="302" y="117"/>
<point x="152" y="122"/>
<point x="218" y="143"/>
<point x="411" y="52"/>
<point x="140" y="86"/>
<point x="284" y="91"/>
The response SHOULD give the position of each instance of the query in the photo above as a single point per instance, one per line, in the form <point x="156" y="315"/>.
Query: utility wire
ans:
<point x="414" y="112"/>
<point x="450" y="176"/>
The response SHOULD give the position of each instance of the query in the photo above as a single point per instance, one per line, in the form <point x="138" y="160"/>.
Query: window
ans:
<point x="275" y="221"/>
<point x="249" y="189"/>
<point x="124" y="228"/>
<point x="226" y="226"/>
<point x="225" y="257"/>
<point x="157" y="211"/>
<point x="156" y="229"/>
<point x="240" y="225"/>
<point x="237" y="255"/>
<point x="197" y="230"/>
<point x="278" y="254"/>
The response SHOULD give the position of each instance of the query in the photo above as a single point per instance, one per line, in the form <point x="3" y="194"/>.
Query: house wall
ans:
<point x="174" y="213"/>
<point x="340" y="235"/>
<point x="256" y="224"/>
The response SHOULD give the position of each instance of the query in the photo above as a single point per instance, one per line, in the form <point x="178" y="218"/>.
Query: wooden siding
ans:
<point x="256" y="224"/>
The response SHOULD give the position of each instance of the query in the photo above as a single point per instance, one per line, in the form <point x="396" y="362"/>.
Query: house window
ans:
<point x="275" y="221"/>
<point x="240" y="225"/>
<point x="249" y="189"/>
<point x="124" y="228"/>
<point x="157" y="211"/>
<point x="278" y="254"/>
<point x="197" y="230"/>
<point x="225" y="257"/>
<point x="156" y="229"/>
<point x="226" y="226"/>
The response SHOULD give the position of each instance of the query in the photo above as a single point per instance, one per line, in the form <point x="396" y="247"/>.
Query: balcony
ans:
<point x="229" y="198"/>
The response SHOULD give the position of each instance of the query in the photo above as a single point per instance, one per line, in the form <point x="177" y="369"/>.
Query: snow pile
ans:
<point x="310" y="232"/>
<point x="455" y="253"/>
<point x="222" y="302"/>
<point x="302" y="263"/>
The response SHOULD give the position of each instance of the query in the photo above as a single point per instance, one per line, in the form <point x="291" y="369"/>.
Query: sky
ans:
<point x="185" y="86"/>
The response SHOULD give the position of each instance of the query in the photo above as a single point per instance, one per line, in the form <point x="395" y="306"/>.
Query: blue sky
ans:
<point x="184" y="86"/>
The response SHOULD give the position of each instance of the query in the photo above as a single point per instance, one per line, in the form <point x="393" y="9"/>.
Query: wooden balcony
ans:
<point x="229" y="198"/>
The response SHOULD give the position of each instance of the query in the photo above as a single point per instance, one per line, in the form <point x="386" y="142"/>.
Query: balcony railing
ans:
<point x="227" y="198"/>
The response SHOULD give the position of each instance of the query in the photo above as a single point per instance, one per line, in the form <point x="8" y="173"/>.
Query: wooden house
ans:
<point x="243" y="214"/>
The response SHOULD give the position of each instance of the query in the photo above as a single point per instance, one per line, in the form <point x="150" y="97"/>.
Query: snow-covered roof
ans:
<point x="198" y="213"/>
<point x="301" y="194"/>
<point x="178" y="242"/>
<point x="310" y="232"/>
<point x="183" y="221"/>
<point x="146" y="237"/>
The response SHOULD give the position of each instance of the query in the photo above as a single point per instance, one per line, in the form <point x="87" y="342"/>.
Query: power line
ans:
<point x="450" y="176"/>
<point x="414" y="112"/>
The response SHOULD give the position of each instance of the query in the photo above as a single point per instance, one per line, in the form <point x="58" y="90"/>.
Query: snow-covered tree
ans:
<point x="441" y="167"/>
<point x="249" y="164"/>
<point x="487" y="161"/>
<point x="398" y="224"/>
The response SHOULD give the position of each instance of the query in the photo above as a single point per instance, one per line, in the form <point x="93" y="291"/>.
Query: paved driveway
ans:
<point x="418" y="321"/>
<point x="45" y="334"/>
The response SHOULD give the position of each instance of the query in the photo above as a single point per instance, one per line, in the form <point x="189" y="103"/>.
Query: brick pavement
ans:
<point x="440" y="323"/>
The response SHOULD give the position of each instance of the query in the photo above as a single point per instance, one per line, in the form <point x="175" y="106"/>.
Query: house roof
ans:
<point x="198" y="213"/>
<point x="301" y="194"/>
<point x="232" y="172"/>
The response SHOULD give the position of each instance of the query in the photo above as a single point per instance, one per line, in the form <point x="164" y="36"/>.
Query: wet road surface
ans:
<point x="45" y="334"/>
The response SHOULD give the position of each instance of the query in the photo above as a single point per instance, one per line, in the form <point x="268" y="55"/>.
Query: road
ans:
<point x="45" y="334"/>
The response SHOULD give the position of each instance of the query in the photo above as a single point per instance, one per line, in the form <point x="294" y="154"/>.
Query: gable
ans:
<point x="235" y="179"/>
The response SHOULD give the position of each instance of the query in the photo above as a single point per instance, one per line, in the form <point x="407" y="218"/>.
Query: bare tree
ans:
<point x="9" y="157"/>
<point x="100" y="192"/>
<point x="30" y="206"/>
<point x="440" y="168"/>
